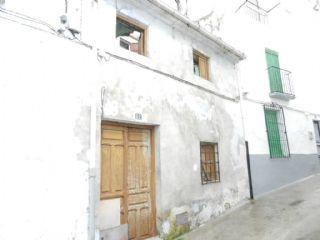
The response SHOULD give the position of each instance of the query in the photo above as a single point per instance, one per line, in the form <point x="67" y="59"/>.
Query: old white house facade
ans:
<point x="126" y="112"/>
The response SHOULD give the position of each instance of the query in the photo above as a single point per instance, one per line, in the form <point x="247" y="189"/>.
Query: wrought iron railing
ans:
<point x="280" y="81"/>
<point x="254" y="11"/>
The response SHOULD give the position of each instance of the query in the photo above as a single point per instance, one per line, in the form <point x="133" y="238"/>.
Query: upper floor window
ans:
<point x="200" y="65"/>
<point x="131" y="35"/>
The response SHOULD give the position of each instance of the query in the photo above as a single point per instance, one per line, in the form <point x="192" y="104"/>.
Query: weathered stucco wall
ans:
<point x="184" y="115"/>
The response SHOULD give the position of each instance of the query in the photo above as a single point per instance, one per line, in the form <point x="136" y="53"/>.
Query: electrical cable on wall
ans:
<point x="27" y="18"/>
<point x="66" y="6"/>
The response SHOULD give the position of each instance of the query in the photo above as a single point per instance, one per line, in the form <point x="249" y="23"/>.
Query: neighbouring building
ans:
<point x="115" y="112"/>
<point x="279" y="84"/>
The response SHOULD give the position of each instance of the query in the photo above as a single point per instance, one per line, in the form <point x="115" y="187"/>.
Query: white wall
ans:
<point x="45" y="123"/>
<point x="289" y="31"/>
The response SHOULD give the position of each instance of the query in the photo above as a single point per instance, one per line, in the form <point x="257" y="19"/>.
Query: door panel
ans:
<point x="139" y="183"/>
<point x="112" y="162"/>
<point x="127" y="172"/>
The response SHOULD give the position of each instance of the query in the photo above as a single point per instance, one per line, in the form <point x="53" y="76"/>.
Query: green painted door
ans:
<point x="273" y="134"/>
<point x="274" y="71"/>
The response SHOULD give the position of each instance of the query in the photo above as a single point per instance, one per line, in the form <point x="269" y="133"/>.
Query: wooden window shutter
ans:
<point x="203" y="66"/>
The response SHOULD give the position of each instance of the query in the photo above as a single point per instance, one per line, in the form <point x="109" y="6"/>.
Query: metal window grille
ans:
<point x="209" y="161"/>
<point x="276" y="131"/>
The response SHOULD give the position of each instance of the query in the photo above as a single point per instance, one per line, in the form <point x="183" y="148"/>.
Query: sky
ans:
<point x="199" y="8"/>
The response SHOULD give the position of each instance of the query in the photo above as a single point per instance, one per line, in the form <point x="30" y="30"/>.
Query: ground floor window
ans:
<point x="276" y="131"/>
<point x="210" y="171"/>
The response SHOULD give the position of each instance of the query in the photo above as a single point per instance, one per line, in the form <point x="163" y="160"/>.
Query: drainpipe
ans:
<point x="249" y="169"/>
<point x="239" y="84"/>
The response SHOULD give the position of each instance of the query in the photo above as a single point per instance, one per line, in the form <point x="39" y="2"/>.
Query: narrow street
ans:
<point x="290" y="213"/>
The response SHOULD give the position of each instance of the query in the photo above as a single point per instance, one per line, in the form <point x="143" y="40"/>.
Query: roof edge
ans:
<point x="240" y="55"/>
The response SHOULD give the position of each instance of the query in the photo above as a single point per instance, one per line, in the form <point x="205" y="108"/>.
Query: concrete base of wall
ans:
<point x="269" y="174"/>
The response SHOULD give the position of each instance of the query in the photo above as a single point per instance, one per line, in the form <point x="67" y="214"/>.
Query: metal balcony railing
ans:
<point x="280" y="83"/>
<point x="254" y="11"/>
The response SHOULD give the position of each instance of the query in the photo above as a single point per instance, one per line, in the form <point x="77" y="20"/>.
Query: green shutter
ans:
<point x="273" y="134"/>
<point x="274" y="71"/>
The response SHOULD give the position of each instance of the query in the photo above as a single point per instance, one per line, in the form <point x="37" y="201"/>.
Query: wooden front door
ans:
<point x="127" y="172"/>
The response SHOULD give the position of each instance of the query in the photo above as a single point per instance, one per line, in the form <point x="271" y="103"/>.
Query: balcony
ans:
<point x="280" y="84"/>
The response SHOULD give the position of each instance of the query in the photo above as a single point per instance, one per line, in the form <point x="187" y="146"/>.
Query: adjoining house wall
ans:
<point x="287" y="30"/>
<point x="269" y="174"/>
<point x="279" y="33"/>
<point x="45" y="100"/>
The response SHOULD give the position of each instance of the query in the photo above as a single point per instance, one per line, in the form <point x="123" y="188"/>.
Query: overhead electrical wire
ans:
<point x="27" y="18"/>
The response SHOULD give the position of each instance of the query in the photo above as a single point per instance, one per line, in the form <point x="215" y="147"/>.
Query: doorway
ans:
<point x="127" y="173"/>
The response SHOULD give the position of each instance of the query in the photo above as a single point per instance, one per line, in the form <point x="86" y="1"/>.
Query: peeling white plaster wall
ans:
<point x="184" y="115"/>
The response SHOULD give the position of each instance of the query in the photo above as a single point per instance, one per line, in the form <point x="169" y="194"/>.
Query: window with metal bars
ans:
<point x="209" y="161"/>
<point x="276" y="131"/>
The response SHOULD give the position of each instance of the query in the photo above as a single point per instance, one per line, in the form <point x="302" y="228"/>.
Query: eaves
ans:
<point x="222" y="44"/>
